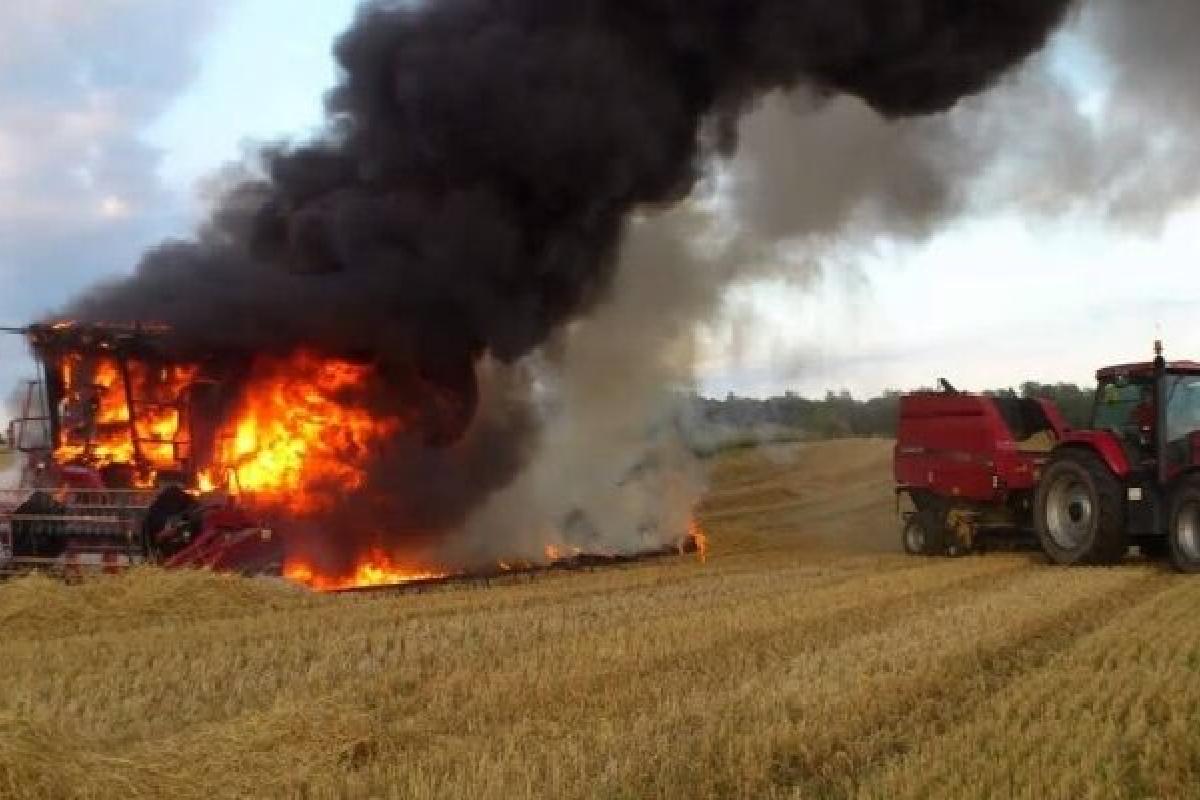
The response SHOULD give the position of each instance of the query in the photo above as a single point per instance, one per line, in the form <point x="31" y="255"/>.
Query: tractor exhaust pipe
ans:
<point x="1160" y="415"/>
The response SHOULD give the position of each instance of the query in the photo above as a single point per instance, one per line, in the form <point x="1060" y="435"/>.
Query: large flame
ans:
<point x="292" y="442"/>
<point x="96" y="410"/>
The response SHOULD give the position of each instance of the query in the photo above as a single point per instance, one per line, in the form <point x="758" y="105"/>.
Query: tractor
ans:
<point x="110" y="441"/>
<point x="976" y="470"/>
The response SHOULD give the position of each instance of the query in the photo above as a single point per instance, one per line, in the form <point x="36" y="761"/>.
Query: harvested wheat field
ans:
<point x="807" y="658"/>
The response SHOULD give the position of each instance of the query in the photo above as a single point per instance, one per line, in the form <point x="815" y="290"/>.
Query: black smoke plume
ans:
<point x="480" y="163"/>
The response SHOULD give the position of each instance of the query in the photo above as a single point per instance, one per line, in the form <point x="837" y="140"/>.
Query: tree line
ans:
<point x="841" y="414"/>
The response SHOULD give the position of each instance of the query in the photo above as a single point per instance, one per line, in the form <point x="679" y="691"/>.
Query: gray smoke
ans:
<point x="1140" y="145"/>
<point x="615" y="469"/>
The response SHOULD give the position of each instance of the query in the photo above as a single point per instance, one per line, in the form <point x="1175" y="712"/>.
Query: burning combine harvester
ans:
<point x="134" y="455"/>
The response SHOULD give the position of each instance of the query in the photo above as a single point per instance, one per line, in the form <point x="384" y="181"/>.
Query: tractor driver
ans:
<point x="1144" y="414"/>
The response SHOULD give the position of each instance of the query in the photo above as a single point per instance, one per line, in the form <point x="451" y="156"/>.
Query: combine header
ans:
<point x="976" y="467"/>
<point x="112" y="439"/>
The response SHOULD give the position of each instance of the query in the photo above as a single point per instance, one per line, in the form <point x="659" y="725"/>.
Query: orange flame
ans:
<point x="291" y="437"/>
<point x="374" y="569"/>
<point x="556" y="553"/>
<point x="95" y="414"/>
<point x="700" y="538"/>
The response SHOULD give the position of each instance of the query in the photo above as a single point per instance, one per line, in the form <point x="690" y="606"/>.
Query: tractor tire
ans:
<point x="1079" y="511"/>
<point x="1183" y="533"/>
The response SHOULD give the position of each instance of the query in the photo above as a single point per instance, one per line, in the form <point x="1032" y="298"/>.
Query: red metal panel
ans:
<point x="1103" y="443"/>
<point x="1145" y="369"/>
<point x="948" y="444"/>
<point x="958" y="445"/>
<point x="229" y="539"/>
<point x="1055" y="417"/>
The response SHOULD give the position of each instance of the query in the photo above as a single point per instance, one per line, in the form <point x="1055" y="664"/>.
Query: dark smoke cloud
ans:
<point x="482" y="158"/>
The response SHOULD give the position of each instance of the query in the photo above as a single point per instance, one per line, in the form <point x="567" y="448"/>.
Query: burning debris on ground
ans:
<point x="347" y="338"/>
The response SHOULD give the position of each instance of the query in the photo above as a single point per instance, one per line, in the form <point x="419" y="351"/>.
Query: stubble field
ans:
<point x="807" y="658"/>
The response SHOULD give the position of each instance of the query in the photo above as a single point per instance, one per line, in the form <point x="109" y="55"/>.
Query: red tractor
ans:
<point x="112" y="439"/>
<point x="977" y="468"/>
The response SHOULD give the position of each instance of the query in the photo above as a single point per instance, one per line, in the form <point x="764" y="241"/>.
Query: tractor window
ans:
<point x="1118" y="400"/>
<point x="1183" y="406"/>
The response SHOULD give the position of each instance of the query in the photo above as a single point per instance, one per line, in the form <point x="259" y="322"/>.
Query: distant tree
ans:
<point x="1074" y="402"/>
<point x="841" y="414"/>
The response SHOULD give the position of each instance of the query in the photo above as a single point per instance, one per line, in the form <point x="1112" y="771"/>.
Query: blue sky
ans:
<point x="131" y="105"/>
<point x="264" y="70"/>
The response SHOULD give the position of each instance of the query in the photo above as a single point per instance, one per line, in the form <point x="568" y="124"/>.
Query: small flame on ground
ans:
<point x="700" y="538"/>
<point x="556" y="553"/>
<point x="378" y="569"/>
<point x="375" y="569"/>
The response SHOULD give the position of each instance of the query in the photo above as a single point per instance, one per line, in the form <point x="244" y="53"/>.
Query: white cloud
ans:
<point x="80" y="82"/>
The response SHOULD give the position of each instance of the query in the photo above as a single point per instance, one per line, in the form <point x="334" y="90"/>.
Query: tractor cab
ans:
<point x="113" y="435"/>
<point x="110" y="409"/>
<point x="1127" y="405"/>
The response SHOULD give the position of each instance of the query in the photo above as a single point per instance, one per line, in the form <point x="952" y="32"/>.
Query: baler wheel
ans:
<point x="913" y="536"/>
<point x="1079" y="511"/>
<point x="1183" y="534"/>
<point x="924" y="534"/>
<point x="1157" y="547"/>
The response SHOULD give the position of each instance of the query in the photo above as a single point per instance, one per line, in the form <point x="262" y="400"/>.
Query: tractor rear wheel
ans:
<point x="1079" y="510"/>
<point x="1183" y="534"/>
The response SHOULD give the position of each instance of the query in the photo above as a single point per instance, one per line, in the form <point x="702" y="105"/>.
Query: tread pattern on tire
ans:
<point x="1189" y="488"/>
<point x="935" y="531"/>
<point x="904" y="542"/>
<point x="1109" y="543"/>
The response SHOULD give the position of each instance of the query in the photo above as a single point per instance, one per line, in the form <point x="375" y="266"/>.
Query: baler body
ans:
<point x="973" y="447"/>
<point x="973" y="461"/>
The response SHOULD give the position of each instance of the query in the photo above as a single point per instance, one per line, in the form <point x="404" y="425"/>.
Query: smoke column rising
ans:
<point x="475" y="182"/>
